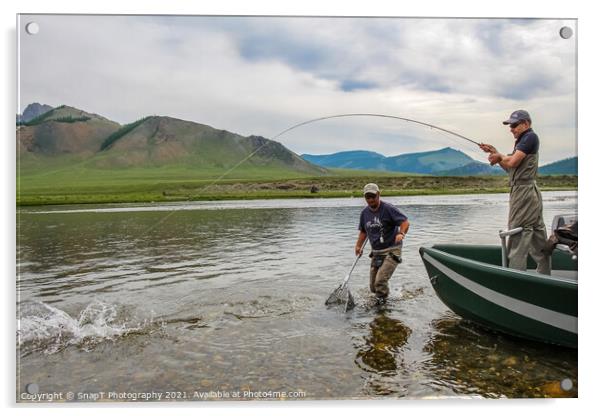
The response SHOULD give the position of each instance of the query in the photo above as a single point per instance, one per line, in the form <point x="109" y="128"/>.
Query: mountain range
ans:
<point x="62" y="138"/>
<point x="67" y="135"/>
<point x="567" y="166"/>
<point x="442" y="162"/>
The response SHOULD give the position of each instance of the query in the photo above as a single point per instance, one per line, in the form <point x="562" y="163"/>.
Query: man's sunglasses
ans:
<point x="370" y="196"/>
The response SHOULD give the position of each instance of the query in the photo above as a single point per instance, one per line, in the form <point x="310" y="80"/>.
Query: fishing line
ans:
<point x="409" y="120"/>
<point x="304" y="123"/>
<point x="250" y="155"/>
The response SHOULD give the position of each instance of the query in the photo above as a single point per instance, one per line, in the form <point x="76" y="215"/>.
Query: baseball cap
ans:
<point x="517" y="116"/>
<point x="371" y="188"/>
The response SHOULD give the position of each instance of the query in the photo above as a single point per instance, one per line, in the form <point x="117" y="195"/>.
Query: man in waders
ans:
<point x="386" y="228"/>
<point x="526" y="208"/>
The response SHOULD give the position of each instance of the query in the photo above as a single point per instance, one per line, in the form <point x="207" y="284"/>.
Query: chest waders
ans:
<point x="378" y="256"/>
<point x="526" y="211"/>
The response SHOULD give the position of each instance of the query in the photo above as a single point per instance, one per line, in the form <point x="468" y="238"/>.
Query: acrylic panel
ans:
<point x="189" y="194"/>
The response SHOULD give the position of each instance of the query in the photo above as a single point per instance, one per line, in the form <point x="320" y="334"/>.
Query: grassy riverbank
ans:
<point x="341" y="184"/>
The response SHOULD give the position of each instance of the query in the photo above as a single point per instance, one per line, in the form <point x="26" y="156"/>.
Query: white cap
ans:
<point x="371" y="188"/>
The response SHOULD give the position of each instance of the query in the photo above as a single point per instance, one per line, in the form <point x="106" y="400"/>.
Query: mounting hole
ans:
<point x="32" y="388"/>
<point x="566" y="384"/>
<point x="32" y="28"/>
<point x="566" y="32"/>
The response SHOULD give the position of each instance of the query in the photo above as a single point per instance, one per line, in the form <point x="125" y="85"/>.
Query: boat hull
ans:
<point x="524" y="304"/>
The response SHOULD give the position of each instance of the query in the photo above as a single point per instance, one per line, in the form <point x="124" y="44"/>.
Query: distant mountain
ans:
<point x="358" y="159"/>
<point x="32" y="111"/>
<point x="431" y="163"/>
<point x="473" y="169"/>
<point x="65" y="134"/>
<point x="64" y="130"/>
<point x="442" y="162"/>
<point x="561" y="167"/>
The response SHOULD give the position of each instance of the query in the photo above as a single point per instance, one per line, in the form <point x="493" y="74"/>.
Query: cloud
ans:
<point x="477" y="56"/>
<point x="262" y="75"/>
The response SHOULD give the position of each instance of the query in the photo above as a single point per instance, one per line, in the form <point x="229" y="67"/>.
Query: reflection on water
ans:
<point x="230" y="295"/>
<point x="381" y="355"/>
<point x="383" y="344"/>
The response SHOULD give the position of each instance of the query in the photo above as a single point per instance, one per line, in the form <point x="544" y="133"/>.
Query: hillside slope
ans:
<point x="562" y="167"/>
<point x="429" y="163"/>
<point x="71" y="147"/>
<point x="160" y="141"/>
<point x="355" y="159"/>
<point x="64" y="130"/>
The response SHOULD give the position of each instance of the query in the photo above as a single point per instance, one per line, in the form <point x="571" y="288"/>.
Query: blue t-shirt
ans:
<point x="528" y="142"/>
<point x="383" y="222"/>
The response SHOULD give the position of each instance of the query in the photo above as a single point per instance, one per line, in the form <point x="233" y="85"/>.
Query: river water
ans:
<point x="225" y="300"/>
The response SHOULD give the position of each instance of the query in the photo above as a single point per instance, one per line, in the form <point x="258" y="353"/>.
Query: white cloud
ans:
<point x="262" y="75"/>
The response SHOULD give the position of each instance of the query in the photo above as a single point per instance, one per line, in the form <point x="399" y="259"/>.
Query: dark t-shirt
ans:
<point x="528" y="142"/>
<point x="383" y="222"/>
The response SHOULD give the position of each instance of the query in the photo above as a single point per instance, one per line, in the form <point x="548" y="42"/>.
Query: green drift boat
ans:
<point x="472" y="282"/>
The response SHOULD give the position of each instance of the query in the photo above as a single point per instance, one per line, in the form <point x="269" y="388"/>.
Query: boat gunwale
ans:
<point x="564" y="338"/>
<point x="512" y="273"/>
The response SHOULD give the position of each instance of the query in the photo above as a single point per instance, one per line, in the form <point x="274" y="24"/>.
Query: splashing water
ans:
<point x="42" y="327"/>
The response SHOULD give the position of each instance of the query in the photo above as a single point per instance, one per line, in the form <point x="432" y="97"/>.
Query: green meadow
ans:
<point x="64" y="180"/>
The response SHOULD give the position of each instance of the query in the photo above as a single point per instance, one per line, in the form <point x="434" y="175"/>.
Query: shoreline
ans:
<point x="100" y="198"/>
<point x="86" y="190"/>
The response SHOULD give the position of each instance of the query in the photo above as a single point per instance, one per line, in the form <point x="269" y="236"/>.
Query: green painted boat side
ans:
<point x="462" y="268"/>
<point x="492" y="254"/>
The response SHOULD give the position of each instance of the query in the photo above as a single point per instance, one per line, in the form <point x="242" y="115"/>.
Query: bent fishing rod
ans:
<point x="374" y="115"/>
<point x="304" y="123"/>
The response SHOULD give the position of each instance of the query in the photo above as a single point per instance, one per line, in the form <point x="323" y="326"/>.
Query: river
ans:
<point x="225" y="300"/>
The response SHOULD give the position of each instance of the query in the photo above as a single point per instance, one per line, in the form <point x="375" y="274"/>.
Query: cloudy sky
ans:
<point x="261" y="75"/>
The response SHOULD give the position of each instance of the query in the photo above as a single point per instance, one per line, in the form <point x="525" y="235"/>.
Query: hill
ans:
<point x="63" y="130"/>
<point x="160" y="141"/>
<point x="430" y="163"/>
<point x="32" y="111"/>
<point x="356" y="159"/>
<point x="561" y="167"/>
<point x="442" y="162"/>
<point x="68" y="148"/>
<point x="473" y="169"/>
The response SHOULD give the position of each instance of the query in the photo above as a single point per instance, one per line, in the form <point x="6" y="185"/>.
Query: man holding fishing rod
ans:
<point x="526" y="208"/>
<point x="385" y="226"/>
